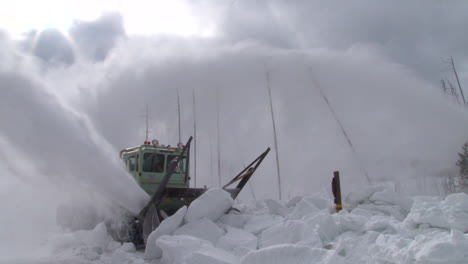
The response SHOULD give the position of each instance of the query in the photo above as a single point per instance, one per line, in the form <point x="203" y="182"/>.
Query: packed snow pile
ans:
<point x="375" y="226"/>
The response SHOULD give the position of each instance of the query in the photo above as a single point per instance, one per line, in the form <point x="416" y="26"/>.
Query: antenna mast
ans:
<point x="219" y="147"/>
<point x="343" y="131"/>
<point x="267" y="73"/>
<point x="146" y="117"/>
<point x="458" y="81"/>
<point x="178" y="112"/>
<point x="194" y="141"/>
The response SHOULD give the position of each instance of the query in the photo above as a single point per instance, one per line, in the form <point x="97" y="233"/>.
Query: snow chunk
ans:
<point x="238" y="241"/>
<point x="234" y="220"/>
<point x="381" y="224"/>
<point x="352" y="222"/>
<point x="289" y="232"/>
<point x="203" y="228"/>
<point x="362" y="212"/>
<point x="88" y="253"/>
<point x="212" y="204"/>
<point x="212" y="256"/>
<point x="294" y="201"/>
<point x="324" y="225"/>
<point x="187" y="249"/>
<point x="166" y="227"/>
<point x="356" y="248"/>
<point x="451" y="213"/>
<point x="391" y="247"/>
<point x="382" y="208"/>
<point x="303" y="208"/>
<point x="258" y="223"/>
<point x="127" y="247"/>
<point x="449" y="249"/>
<point x="98" y="237"/>
<point x="393" y="198"/>
<point x="275" y="208"/>
<point x="281" y="254"/>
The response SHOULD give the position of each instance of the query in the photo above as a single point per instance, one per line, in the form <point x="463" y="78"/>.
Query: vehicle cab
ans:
<point x="149" y="162"/>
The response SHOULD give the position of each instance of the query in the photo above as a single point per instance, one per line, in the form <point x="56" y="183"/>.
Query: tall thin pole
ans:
<point x="219" y="141"/>
<point x="194" y="141"/>
<point x="267" y="73"/>
<point x="147" y="129"/>
<point x="343" y="131"/>
<point x="211" y="162"/>
<point x="458" y="81"/>
<point x="178" y="112"/>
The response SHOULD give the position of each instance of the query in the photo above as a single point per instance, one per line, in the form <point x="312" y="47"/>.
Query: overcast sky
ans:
<point x="416" y="33"/>
<point x="75" y="79"/>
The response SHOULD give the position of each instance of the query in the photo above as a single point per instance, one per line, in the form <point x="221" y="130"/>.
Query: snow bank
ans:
<point x="166" y="227"/>
<point x="451" y="213"/>
<point x="378" y="230"/>
<point x="212" y="204"/>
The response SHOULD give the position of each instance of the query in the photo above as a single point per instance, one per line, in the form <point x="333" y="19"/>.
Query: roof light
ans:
<point x="155" y="142"/>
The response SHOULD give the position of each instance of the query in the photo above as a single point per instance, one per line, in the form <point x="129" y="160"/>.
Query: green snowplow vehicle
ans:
<point x="163" y="172"/>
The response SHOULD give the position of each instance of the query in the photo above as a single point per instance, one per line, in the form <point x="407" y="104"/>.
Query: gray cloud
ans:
<point x="414" y="33"/>
<point x="96" y="38"/>
<point x="53" y="48"/>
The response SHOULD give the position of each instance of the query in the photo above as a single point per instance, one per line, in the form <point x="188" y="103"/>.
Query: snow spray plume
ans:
<point x="51" y="155"/>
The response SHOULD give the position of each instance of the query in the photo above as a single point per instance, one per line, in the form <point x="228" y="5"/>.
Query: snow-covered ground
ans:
<point x="376" y="226"/>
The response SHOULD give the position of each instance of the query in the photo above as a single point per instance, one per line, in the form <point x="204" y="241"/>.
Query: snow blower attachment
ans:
<point x="162" y="171"/>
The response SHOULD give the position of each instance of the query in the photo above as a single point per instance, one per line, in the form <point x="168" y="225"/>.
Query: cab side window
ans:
<point x="131" y="163"/>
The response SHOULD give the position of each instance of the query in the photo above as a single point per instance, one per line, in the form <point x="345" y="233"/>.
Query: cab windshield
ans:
<point x="181" y="164"/>
<point x="153" y="162"/>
